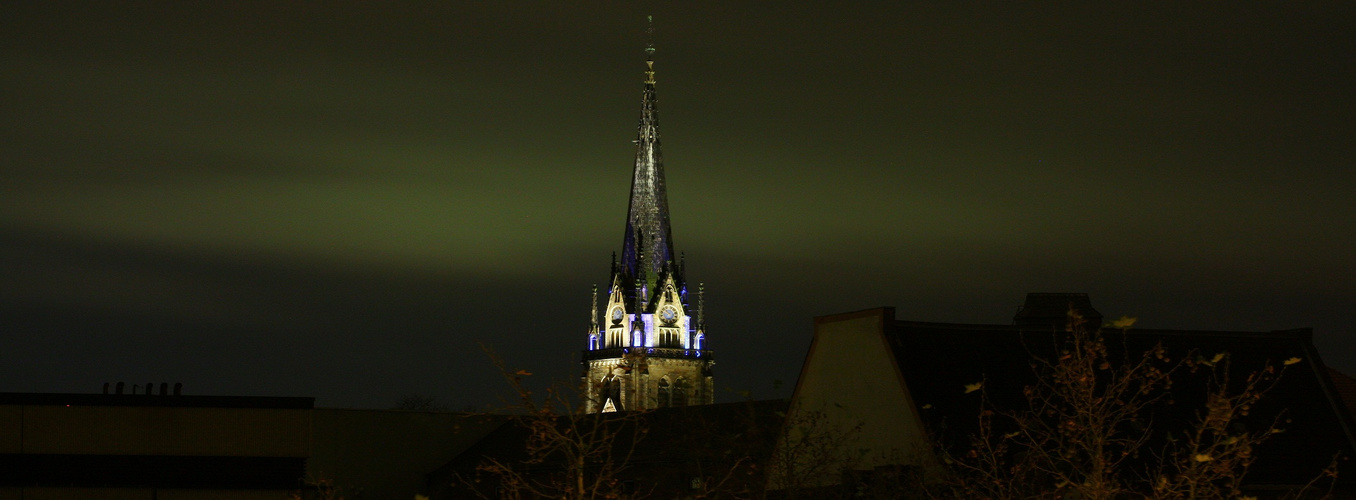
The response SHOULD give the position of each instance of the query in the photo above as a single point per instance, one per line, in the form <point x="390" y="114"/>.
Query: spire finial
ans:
<point x="649" y="51"/>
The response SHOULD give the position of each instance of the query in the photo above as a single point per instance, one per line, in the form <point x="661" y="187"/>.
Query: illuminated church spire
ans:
<point x="649" y="349"/>
<point x="648" y="246"/>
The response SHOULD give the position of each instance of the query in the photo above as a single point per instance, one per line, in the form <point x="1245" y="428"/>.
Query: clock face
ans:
<point x="616" y="315"/>
<point x="669" y="315"/>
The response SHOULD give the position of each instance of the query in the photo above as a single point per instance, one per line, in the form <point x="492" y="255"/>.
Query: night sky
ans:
<point x="342" y="201"/>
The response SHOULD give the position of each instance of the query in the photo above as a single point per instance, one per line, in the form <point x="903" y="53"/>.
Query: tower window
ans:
<point x="610" y="388"/>
<point x="679" y="392"/>
<point x="665" y="398"/>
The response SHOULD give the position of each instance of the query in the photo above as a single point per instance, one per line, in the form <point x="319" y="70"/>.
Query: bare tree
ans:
<point x="568" y="455"/>
<point x="813" y="446"/>
<point x="1215" y="453"/>
<point x="1088" y="420"/>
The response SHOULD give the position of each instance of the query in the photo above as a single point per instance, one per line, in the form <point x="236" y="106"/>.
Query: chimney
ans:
<point x="1050" y="311"/>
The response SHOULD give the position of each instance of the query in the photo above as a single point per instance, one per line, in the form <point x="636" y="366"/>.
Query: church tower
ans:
<point x="649" y="351"/>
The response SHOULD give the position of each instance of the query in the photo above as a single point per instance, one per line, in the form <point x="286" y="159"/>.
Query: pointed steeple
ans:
<point x="649" y="241"/>
<point x="647" y="315"/>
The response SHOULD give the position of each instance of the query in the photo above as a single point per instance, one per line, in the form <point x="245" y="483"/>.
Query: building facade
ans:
<point x="930" y="383"/>
<point x="649" y="350"/>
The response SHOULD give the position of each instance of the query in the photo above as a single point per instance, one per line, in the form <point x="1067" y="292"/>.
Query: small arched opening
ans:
<point x="665" y="396"/>
<point x="610" y="388"/>
<point x="679" y="391"/>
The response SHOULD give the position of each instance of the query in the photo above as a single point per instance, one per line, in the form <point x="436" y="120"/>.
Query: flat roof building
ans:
<point x="84" y="446"/>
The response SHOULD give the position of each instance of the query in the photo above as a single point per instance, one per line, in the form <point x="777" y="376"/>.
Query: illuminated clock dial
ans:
<point x="617" y="315"/>
<point x="669" y="315"/>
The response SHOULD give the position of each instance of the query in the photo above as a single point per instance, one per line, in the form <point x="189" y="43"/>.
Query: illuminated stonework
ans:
<point x="649" y="351"/>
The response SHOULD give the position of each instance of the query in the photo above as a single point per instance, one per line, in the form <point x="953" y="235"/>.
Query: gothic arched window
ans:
<point x="697" y="343"/>
<point x="593" y="342"/>
<point x="664" y="395"/>
<point x="610" y="388"/>
<point x="679" y="391"/>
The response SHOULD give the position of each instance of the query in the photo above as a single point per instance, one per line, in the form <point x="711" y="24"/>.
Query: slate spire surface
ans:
<point x="648" y="248"/>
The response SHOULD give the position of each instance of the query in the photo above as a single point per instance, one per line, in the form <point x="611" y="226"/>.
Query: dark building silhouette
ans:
<point x="909" y="382"/>
<point x="90" y="446"/>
